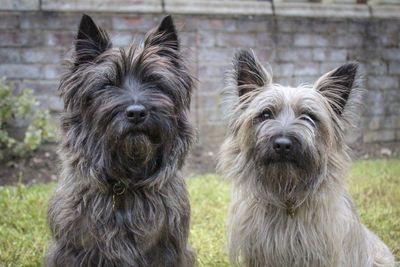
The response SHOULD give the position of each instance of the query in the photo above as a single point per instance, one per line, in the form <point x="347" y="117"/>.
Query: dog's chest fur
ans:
<point x="309" y="238"/>
<point x="143" y="224"/>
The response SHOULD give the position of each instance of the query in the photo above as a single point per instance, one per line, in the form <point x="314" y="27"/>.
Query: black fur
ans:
<point x="121" y="200"/>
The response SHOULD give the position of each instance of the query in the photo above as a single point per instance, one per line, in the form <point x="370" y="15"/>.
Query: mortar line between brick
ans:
<point x="370" y="10"/>
<point x="163" y="6"/>
<point x="273" y="7"/>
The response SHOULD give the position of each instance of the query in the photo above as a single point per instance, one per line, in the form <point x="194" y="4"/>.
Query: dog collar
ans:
<point x="290" y="208"/>
<point x="118" y="189"/>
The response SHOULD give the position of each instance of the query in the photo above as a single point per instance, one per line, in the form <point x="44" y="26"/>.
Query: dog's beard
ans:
<point x="131" y="155"/>
<point x="288" y="178"/>
<point x="138" y="148"/>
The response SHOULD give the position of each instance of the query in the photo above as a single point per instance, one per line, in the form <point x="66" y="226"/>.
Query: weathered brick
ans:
<point x="207" y="38"/>
<point x="299" y="50"/>
<point x="377" y="67"/>
<point x="294" y="25"/>
<point x="209" y="102"/>
<point x="54" y="21"/>
<point x="329" y="27"/>
<point x="379" y="135"/>
<point x="42" y="55"/>
<point x="9" y="55"/>
<point x="221" y="55"/>
<point x="370" y="137"/>
<point x="283" y="69"/>
<point x="284" y="40"/>
<point x="124" y="38"/>
<point x="391" y="54"/>
<point x="353" y="26"/>
<point x="9" y="21"/>
<point x="302" y="79"/>
<point x="53" y="103"/>
<point x="236" y="40"/>
<point x="133" y="23"/>
<point x="211" y="116"/>
<point x="218" y="24"/>
<point x="252" y="26"/>
<point x="314" y="40"/>
<point x="42" y="87"/>
<point x="352" y="136"/>
<point x="382" y="82"/>
<point x="294" y="55"/>
<point x="52" y="72"/>
<point x="389" y="122"/>
<point x="393" y="108"/>
<point x="385" y="40"/>
<point x="59" y="38"/>
<point x="264" y="39"/>
<point x="22" y="5"/>
<point x="393" y="95"/>
<point x="266" y="55"/>
<point x="212" y="71"/>
<point x="21" y="71"/>
<point x="186" y="23"/>
<point x="324" y="54"/>
<point x="374" y="123"/>
<point x="188" y="39"/>
<point x="328" y="66"/>
<point x="212" y="86"/>
<point x="394" y="67"/>
<point x="387" y="135"/>
<point x="349" y="41"/>
<point x="15" y="39"/>
<point x="372" y="95"/>
<point x="375" y="104"/>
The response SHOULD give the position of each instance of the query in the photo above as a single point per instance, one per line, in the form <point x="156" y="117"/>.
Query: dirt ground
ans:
<point x="40" y="166"/>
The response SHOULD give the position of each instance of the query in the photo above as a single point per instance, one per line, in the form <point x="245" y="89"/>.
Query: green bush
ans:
<point x="22" y="109"/>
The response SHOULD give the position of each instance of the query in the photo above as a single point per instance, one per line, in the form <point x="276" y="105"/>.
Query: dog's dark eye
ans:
<point x="266" y="115"/>
<point x="310" y="118"/>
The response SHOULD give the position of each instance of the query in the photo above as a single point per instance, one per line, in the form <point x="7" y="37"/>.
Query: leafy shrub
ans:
<point x="20" y="112"/>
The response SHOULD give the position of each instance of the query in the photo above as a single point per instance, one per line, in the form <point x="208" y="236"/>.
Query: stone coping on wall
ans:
<point x="209" y="7"/>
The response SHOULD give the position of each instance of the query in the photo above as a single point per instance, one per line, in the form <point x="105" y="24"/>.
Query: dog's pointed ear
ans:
<point x="337" y="86"/>
<point x="249" y="74"/>
<point x="91" y="41"/>
<point x="164" y="35"/>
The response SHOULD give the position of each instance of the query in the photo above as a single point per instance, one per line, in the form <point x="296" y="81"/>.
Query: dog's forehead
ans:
<point x="280" y="97"/>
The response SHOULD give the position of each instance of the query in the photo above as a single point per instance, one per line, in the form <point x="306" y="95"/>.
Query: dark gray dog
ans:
<point x="120" y="199"/>
<point x="286" y="156"/>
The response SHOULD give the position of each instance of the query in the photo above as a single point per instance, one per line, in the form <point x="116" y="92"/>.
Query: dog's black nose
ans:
<point x="283" y="145"/>
<point x="136" y="113"/>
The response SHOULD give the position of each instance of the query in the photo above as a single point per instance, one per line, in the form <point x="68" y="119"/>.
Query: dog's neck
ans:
<point x="302" y="200"/>
<point x="290" y="208"/>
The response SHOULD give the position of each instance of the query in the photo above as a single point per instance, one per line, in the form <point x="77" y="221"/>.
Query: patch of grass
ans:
<point x="375" y="188"/>
<point x="23" y="226"/>
<point x="374" y="185"/>
<point x="209" y="196"/>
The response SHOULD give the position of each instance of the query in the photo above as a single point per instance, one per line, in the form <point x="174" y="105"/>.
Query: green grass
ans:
<point x="374" y="184"/>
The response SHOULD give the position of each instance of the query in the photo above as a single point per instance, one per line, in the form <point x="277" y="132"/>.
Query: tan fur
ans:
<point x="294" y="213"/>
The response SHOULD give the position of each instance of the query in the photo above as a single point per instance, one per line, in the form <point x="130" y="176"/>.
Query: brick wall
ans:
<point x="299" y="49"/>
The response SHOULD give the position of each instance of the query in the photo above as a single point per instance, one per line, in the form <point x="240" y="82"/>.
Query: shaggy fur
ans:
<point x="121" y="200"/>
<point x="292" y="208"/>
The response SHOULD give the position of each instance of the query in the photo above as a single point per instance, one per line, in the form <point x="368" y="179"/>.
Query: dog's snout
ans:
<point x="136" y="113"/>
<point x="283" y="145"/>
